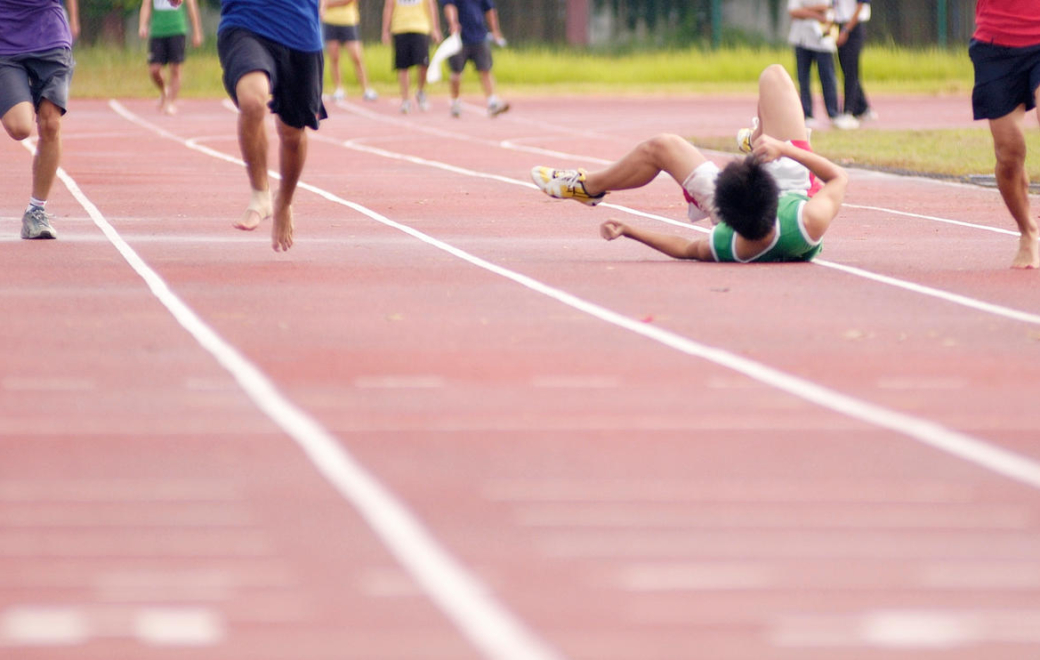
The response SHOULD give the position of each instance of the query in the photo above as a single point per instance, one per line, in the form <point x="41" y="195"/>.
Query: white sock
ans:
<point x="41" y="203"/>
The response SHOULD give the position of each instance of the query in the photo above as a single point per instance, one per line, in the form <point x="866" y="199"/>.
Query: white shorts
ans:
<point x="790" y="175"/>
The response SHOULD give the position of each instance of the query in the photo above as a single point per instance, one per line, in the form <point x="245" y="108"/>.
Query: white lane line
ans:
<point x="478" y="615"/>
<point x="933" y="218"/>
<point x="955" y="298"/>
<point x="997" y="459"/>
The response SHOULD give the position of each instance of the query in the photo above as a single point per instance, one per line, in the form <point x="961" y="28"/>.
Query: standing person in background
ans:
<point x="1005" y="51"/>
<point x="409" y="23"/>
<point x="340" y="21"/>
<point x="471" y="20"/>
<point x="166" y="30"/>
<point x="810" y="26"/>
<point x="850" y="16"/>
<point x="271" y="53"/>
<point x="35" y="69"/>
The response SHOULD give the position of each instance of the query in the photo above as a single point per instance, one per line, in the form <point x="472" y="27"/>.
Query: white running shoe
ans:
<point x="845" y="122"/>
<point x="456" y="108"/>
<point x="370" y="95"/>
<point x="564" y="184"/>
<point x="339" y="94"/>
<point x="497" y="107"/>
<point x="868" y="115"/>
<point x="406" y="107"/>
<point x="421" y="101"/>
<point x="745" y="135"/>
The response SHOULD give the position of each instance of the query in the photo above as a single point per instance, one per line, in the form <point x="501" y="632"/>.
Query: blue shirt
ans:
<point x="292" y="23"/>
<point x="32" y="26"/>
<point x="471" y="18"/>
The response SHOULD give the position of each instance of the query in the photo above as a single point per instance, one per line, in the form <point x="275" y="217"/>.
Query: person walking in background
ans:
<point x="166" y="28"/>
<point x="271" y="54"/>
<point x="810" y="28"/>
<point x="340" y="22"/>
<point x="850" y="16"/>
<point x="471" y="19"/>
<point x="1005" y="51"/>
<point x="409" y="24"/>
<point x="35" y="70"/>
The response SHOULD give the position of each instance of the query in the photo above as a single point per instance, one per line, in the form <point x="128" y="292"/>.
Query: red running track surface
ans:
<point x="454" y="423"/>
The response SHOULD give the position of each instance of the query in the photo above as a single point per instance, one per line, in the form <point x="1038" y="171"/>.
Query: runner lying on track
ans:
<point x="774" y="205"/>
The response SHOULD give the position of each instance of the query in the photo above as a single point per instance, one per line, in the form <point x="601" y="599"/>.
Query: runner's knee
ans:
<point x="18" y="121"/>
<point x="48" y="121"/>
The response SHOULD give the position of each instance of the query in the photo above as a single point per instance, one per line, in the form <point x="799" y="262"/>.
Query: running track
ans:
<point x="452" y="423"/>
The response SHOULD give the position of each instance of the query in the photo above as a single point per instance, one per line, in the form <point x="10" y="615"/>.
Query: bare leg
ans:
<point x="292" y="155"/>
<point x="1009" y="144"/>
<point x="487" y="83"/>
<point x="664" y="153"/>
<point x="18" y="121"/>
<point x="155" y="70"/>
<point x="779" y="106"/>
<point x="455" y="85"/>
<point x="402" y="83"/>
<point x="48" y="149"/>
<point x="173" y="89"/>
<point x="333" y="48"/>
<point x="356" y="55"/>
<point x="252" y="91"/>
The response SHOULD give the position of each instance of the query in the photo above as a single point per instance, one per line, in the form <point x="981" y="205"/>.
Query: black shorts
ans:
<point x="411" y="49"/>
<point x="340" y="33"/>
<point x="479" y="53"/>
<point x="166" y="50"/>
<point x="33" y="77"/>
<point x="295" y="76"/>
<point x="1005" y="78"/>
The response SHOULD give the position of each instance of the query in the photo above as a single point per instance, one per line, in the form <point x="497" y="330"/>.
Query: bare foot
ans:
<point x="282" y="229"/>
<point x="258" y="210"/>
<point x="1028" y="256"/>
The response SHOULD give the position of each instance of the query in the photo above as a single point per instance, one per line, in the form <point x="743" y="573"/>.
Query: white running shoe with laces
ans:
<point x="564" y="184"/>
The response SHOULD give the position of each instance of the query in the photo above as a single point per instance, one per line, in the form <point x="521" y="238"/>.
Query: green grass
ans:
<point x="108" y="72"/>
<point x="949" y="153"/>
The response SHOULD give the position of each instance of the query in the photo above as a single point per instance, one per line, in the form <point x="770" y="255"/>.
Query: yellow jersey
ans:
<point x="410" y="16"/>
<point x="343" y="15"/>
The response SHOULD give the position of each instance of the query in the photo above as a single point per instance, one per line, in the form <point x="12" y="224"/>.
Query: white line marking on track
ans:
<point x="481" y="618"/>
<point x="979" y="452"/>
<point x="933" y="218"/>
<point x="955" y="298"/>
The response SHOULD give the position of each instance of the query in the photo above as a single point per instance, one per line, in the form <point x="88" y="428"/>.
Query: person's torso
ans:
<point x="167" y="20"/>
<point x="1014" y="23"/>
<point x="789" y="242"/>
<point x="471" y="19"/>
<point x="343" y="15"/>
<point x="292" y="23"/>
<point x="410" y="16"/>
<point x="845" y="9"/>
<point x="33" y="26"/>
<point x="808" y="32"/>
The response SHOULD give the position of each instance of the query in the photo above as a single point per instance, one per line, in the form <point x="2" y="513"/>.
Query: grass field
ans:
<point x="120" y="73"/>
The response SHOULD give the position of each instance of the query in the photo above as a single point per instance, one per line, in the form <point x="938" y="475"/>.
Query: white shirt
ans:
<point x="808" y="32"/>
<point x="845" y="9"/>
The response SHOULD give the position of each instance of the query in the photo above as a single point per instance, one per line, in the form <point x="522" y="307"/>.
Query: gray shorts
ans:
<point x="33" y="77"/>
<point x="479" y="53"/>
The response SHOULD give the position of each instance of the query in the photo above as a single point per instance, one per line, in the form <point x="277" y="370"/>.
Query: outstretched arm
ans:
<point x="824" y="205"/>
<point x="674" y="246"/>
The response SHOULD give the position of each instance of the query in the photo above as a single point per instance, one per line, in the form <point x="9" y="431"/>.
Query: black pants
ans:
<point x="848" y="57"/>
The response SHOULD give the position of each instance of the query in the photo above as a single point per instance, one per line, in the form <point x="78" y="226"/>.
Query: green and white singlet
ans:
<point x="790" y="242"/>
